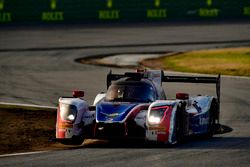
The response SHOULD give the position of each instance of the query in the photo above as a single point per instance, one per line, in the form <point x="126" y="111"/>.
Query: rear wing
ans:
<point x="113" y="77"/>
<point x="169" y="78"/>
<point x="192" y="79"/>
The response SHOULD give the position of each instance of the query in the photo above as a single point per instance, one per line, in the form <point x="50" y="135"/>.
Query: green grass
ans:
<point x="234" y="61"/>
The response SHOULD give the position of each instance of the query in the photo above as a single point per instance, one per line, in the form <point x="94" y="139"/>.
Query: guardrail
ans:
<point x="84" y="11"/>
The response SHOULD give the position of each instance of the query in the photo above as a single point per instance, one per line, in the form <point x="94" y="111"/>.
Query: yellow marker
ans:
<point x="157" y="3"/>
<point x="53" y="4"/>
<point x="1" y="4"/>
<point x="109" y="3"/>
<point x="209" y="2"/>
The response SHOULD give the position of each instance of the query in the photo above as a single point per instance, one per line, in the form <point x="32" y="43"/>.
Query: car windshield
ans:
<point x="130" y="93"/>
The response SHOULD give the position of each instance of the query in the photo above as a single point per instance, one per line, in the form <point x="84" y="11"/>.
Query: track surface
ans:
<point x="37" y="66"/>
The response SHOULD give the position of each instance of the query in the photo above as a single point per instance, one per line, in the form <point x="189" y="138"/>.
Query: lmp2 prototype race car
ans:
<point x="135" y="107"/>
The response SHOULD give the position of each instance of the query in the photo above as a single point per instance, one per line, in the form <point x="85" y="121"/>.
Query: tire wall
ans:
<point x="85" y="11"/>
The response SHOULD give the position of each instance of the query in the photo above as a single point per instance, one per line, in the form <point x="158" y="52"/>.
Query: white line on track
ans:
<point x="27" y="105"/>
<point x="20" y="154"/>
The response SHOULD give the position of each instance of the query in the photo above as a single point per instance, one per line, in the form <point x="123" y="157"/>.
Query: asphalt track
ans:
<point x="37" y="66"/>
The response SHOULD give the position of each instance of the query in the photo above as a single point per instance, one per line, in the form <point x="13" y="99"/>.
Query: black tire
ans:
<point x="75" y="140"/>
<point x="212" y="119"/>
<point x="179" y="126"/>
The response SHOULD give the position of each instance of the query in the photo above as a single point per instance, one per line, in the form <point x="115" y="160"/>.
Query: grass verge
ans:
<point x="231" y="61"/>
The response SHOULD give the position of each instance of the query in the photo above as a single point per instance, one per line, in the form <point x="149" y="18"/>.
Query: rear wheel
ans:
<point x="180" y="124"/>
<point x="213" y="114"/>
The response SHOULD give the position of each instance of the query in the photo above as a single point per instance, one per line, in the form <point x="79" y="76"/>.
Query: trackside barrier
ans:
<point x="84" y="11"/>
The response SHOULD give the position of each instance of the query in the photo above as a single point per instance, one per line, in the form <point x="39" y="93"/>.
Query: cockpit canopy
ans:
<point x="131" y="91"/>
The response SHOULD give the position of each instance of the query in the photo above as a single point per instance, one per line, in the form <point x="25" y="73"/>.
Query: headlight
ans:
<point x="71" y="117"/>
<point x="154" y="120"/>
<point x="68" y="112"/>
<point x="156" y="114"/>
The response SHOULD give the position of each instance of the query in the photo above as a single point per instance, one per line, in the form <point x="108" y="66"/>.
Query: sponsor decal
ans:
<point x="209" y="10"/>
<point x="4" y="16"/>
<point x="157" y="128"/>
<point x="161" y="133"/>
<point x="109" y="13"/>
<point x="204" y="121"/>
<point x="109" y="112"/>
<point x="157" y="12"/>
<point x="65" y="125"/>
<point x="197" y="107"/>
<point x="53" y="14"/>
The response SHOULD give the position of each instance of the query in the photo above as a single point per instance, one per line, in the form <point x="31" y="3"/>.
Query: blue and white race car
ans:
<point x="135" y="107"/>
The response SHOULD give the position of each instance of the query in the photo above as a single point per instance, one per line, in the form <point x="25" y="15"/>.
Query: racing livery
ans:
<point x="135" y="107"/>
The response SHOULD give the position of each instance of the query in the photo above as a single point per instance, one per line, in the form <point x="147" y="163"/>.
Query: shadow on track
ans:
<point x="218" y="143"/>
<point x="212" y="143"/>
<point x="192" y="142"/>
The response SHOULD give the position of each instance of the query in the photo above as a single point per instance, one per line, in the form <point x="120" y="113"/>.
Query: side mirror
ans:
<point x="78" y="93"/>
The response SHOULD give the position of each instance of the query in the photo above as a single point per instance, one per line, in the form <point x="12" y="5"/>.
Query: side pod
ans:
<point x="69" y="124"/>
<point x="161" y="122"/>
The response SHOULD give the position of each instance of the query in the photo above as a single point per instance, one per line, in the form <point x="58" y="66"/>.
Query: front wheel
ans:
<point x="75" y="140"/>
<point x="179" y="125"/>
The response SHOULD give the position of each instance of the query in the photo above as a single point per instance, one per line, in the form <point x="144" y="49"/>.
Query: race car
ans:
<point x="135" y="107"/>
